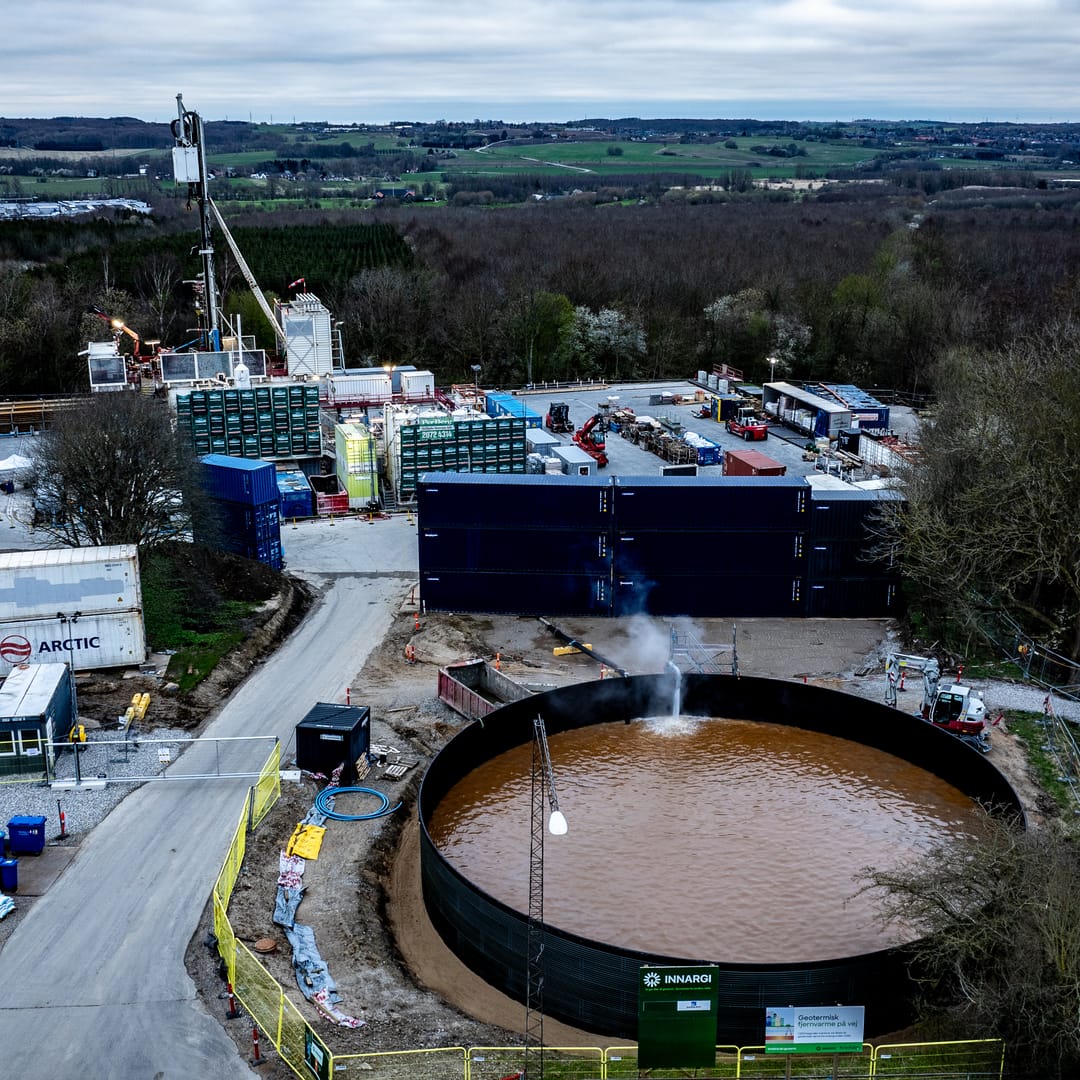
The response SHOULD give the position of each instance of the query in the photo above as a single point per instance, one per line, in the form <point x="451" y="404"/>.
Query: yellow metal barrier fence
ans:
<point x="304" y="1051"/>
<point x="447" y="1063"/>
<point x="755" y="1064"/>
<point x="973" y="1058"/>
<point x="267" y="788"/>
<point x="565" y="1062"/>
<point x="622" y="1061"/>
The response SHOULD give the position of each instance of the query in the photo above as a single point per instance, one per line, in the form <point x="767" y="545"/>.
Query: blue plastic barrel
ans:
<point x="9" y="875"/>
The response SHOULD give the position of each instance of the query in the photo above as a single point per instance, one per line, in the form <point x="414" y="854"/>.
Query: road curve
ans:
<point x="92" y="981"/>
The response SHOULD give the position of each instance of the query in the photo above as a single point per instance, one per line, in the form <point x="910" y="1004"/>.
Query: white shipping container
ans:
<point x="346" y="388"/>
<point x="91" y="641"/>
<point x="89" y="580"/>
<point x="417" y="385"/>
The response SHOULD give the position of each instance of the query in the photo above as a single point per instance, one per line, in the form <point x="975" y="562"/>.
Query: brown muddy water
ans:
<point x="704" y="838"/>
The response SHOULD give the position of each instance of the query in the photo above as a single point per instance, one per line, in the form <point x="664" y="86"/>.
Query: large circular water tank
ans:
<point x="593" y="984"/>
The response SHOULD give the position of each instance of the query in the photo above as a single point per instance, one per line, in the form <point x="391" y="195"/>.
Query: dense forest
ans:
<point x="866" y="283"/>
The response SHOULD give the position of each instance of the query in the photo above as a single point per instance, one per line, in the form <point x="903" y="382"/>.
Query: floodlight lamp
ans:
<point x="557" y="823"/>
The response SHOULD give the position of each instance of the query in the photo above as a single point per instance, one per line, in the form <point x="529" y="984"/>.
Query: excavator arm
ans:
<point x="898" y="663"/>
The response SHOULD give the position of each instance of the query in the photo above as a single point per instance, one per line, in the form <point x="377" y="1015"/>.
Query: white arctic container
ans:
<point x="90" y="580"/>
<point x="90" y="641"/>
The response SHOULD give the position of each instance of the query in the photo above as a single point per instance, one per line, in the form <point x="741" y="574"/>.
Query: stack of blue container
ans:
<point x="500" y="404"/>
<point x="847" y="578"/>
<point x="728" y="545"/>
<point x="515" y="543"/>
<point x="247" y="501"/>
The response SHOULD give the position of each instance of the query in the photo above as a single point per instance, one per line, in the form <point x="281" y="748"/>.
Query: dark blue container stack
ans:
<point x="845" y="581"/>
<point x="721" y="546"/>
<point x="515" y="544"/>
<point x="296" y="496"/>
<point x="247" y="504"/>
<point x="732" y="546"/>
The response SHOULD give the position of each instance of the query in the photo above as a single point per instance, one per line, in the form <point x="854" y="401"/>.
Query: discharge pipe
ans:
<point x="588" y="650"/>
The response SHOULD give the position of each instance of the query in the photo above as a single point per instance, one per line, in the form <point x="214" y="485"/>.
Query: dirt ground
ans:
<point x="363" y="894"/>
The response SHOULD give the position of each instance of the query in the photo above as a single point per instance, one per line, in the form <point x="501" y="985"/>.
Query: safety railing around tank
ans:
<point x="304" y="1050"/>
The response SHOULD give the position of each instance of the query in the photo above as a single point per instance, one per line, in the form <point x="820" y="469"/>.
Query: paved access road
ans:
<point x="92" y="982"/>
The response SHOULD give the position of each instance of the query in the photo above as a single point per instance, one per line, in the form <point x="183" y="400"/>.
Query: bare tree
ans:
<point x="998" y="916"/>
<point x="113" y="471"/>
<point x="991" y="502"/>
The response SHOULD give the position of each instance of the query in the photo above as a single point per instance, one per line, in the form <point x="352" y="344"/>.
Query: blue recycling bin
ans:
<point x="26" y="835"/>
<point x="9" y="875"/>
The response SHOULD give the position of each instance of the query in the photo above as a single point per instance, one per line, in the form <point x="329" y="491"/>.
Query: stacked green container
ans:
<point x="490" y="446"/>
<point x="258" y="423"/>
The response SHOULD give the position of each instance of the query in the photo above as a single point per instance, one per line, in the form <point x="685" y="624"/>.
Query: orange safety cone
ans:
<point x="416" y="621"/>
<point x="233" y="1012"/>
<point x="900" y="684"/>
<point x="603" y="671"/>
<point x="498" y="662"/>
<point x="348" y="695"/>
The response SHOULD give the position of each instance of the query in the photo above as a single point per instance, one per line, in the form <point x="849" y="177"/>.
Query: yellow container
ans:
<point x="356" y="463"/>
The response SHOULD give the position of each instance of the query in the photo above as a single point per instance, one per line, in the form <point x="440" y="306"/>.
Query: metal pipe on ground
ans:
<point x="588" y="650"/>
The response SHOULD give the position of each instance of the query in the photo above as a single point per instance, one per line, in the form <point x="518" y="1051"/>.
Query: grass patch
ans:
<point x="188" y="608"/>
<point x="1031" y="729"/>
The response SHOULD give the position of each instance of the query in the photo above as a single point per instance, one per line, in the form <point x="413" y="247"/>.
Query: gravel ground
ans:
<point x="89" y="804"/>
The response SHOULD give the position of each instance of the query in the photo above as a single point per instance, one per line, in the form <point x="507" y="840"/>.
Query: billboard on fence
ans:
<point x="832" y="1029"/>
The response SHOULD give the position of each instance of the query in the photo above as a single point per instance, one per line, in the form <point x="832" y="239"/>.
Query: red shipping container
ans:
<point x="751" y="463"/>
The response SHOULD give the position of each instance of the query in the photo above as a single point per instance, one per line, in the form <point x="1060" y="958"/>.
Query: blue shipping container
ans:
<point x="295" y="492"/>
<point x="240" y="480"/>
<point x="521" y="551"/>
<point x="713" y="595"/>
<point x="660" y="553"/>
<point x="712" y="504"/>
<point x="537" y="594"/>
<point x="465" y="500"/>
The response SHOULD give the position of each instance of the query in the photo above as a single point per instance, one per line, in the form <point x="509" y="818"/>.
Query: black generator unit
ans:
<point x="331" y="735"/>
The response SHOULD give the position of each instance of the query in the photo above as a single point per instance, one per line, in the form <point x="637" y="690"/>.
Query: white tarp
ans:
<point x="15" y="463"/>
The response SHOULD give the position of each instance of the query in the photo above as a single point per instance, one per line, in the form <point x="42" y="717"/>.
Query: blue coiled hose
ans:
<point x="324" y="797"/>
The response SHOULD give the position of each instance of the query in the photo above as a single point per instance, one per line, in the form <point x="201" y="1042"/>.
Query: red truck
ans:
<point x="751" y="463"/>
<point x="748" y="424"/>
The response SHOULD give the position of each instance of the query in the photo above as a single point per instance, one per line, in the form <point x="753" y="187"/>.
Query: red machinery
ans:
<point x="590" y="437"/>
<point x="748" y="424"/>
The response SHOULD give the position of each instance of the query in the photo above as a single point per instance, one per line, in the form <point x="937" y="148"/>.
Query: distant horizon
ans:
<point x="477" y="115"/>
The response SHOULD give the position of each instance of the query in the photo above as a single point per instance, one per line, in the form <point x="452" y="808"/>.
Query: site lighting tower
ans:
<point x="543" y="783"/>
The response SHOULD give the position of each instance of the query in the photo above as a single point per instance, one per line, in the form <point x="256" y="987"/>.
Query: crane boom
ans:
<point x="249" y="277"/>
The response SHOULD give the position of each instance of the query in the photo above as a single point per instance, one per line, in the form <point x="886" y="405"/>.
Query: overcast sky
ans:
<point x="558" y="60"/>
